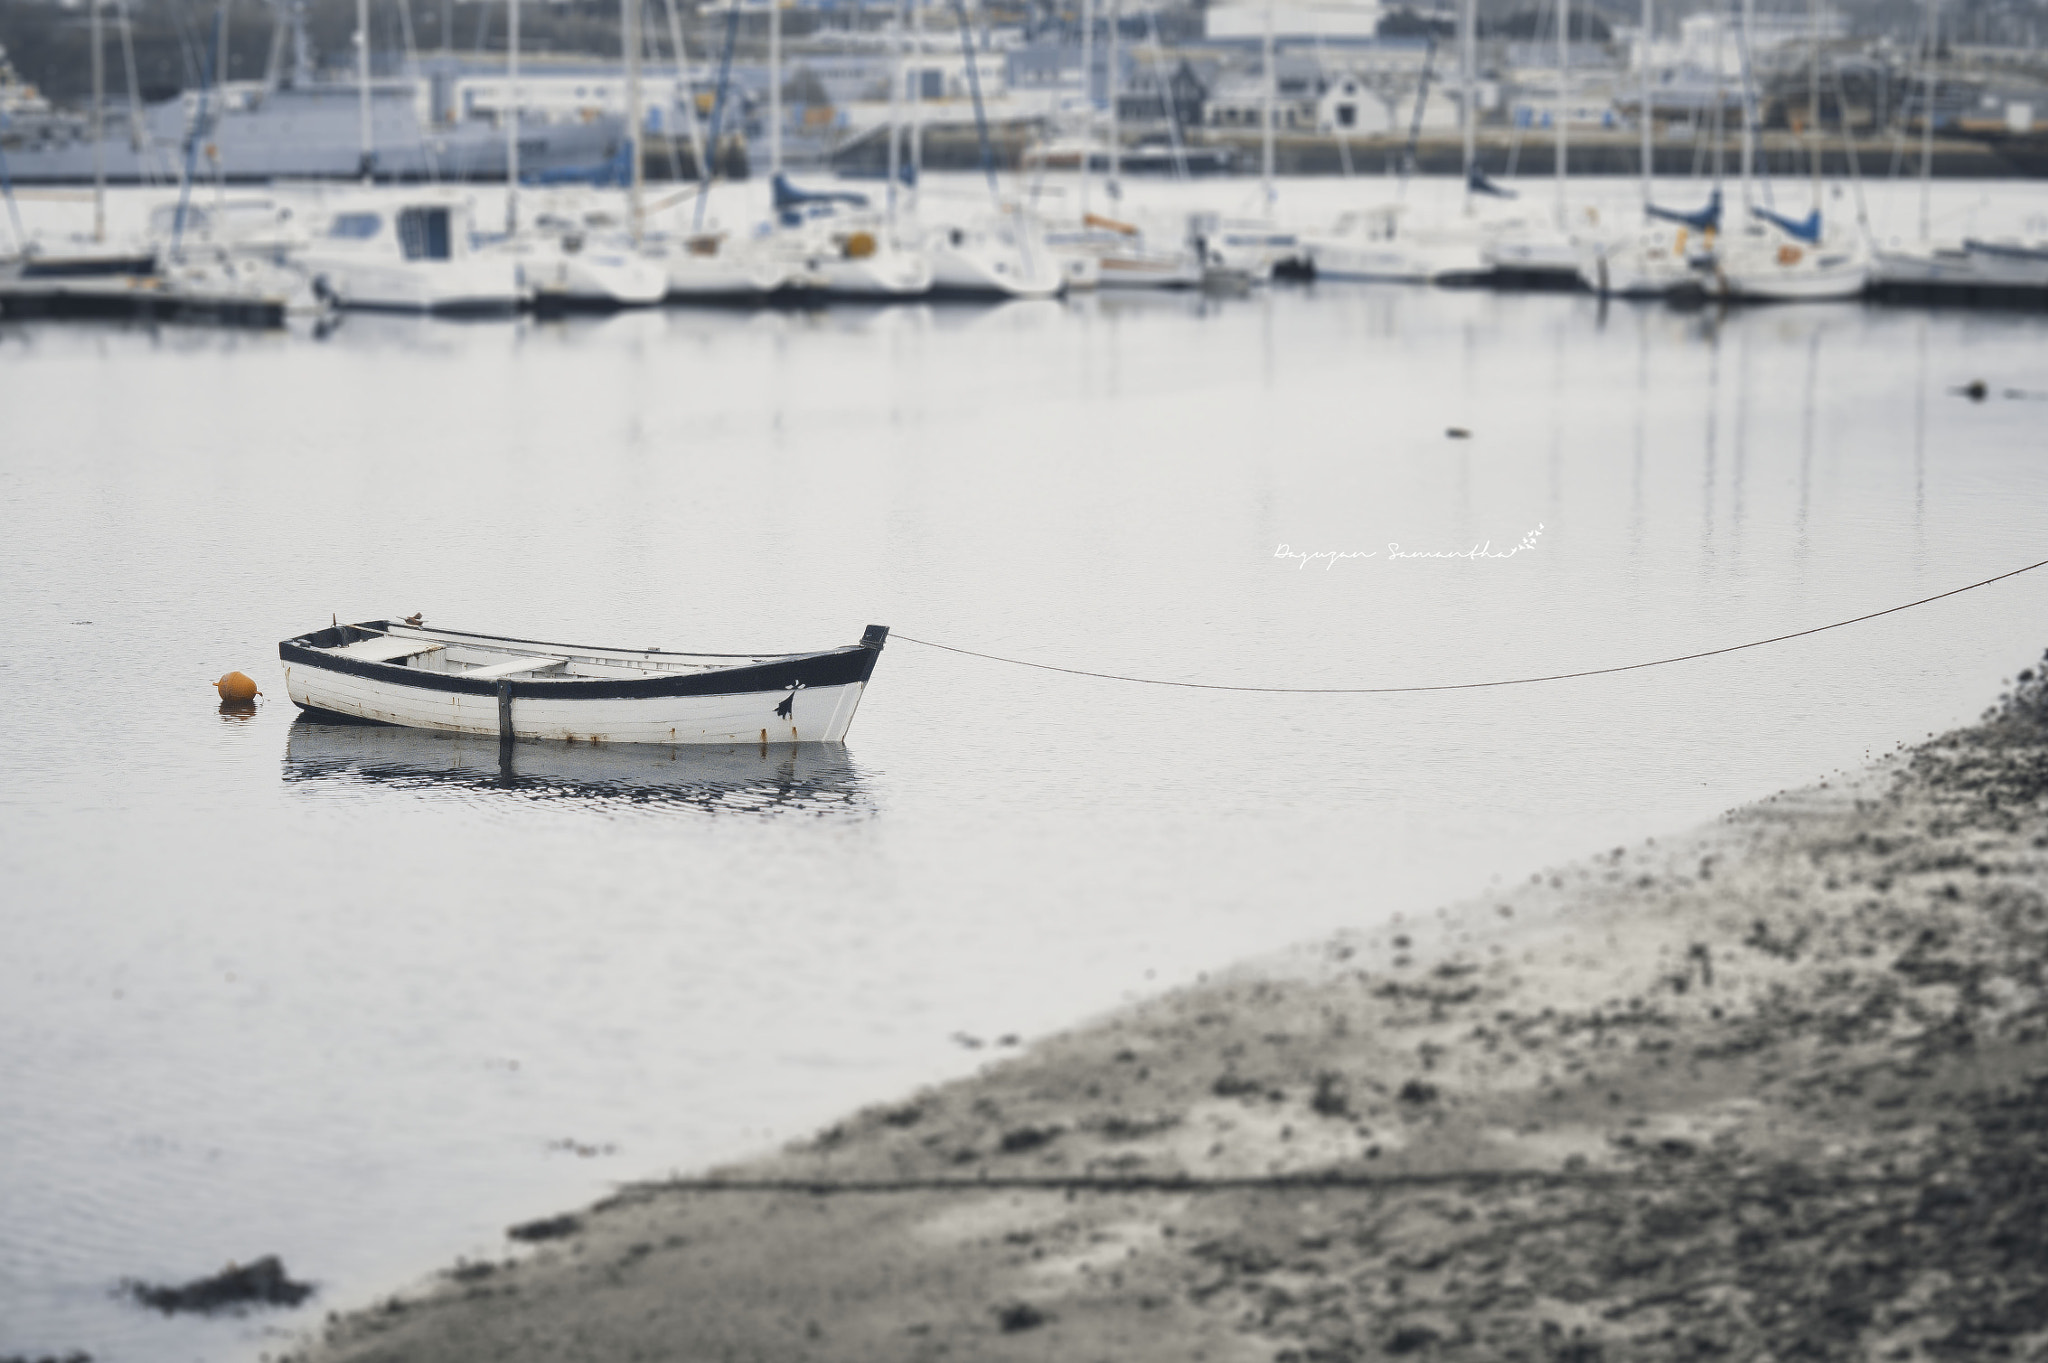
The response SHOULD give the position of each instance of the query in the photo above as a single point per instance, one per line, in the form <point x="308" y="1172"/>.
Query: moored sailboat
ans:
<point x="1774" y="257"/>
<point x="1651" y="261"/>
<point x="1779" y="259"/>
<point x="997" y="255"/>
<point x="1664" y="256"/>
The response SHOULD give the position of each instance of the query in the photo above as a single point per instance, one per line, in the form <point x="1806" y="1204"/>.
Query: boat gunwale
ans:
<point x="392" y="627"/>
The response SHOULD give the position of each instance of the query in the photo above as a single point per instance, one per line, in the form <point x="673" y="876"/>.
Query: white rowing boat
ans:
<point x="395" y="672"/>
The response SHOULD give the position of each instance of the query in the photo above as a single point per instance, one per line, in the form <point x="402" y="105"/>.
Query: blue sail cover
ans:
<point x="1481" y="185"/>
<point x="1806" y="229"/>
<point x="1706" y="219"/>
<point x="791" y="197"/>
<point x="789" y="200"/>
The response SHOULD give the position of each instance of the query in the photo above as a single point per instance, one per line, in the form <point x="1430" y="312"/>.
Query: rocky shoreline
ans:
<point x="1776" y="1089"/>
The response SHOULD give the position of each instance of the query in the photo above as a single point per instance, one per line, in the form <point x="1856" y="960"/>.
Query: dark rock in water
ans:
<point x="235" y="1288"/>
<point x="1409" y="1338"/>
<point x="1028" y="1138"/>
<point x="547" y="1228"/>
<point x="1019" y="1316"/>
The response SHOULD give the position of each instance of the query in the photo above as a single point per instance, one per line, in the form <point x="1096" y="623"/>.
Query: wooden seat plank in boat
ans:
<point x="386" y="649"/>
<point x="512" y="667"/>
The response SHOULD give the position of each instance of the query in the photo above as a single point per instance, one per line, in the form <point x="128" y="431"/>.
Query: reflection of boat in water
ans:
<point x="816" y="779"/>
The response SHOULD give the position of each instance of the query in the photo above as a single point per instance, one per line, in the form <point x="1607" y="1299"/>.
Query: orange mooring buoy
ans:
<point x="236" y="689"/>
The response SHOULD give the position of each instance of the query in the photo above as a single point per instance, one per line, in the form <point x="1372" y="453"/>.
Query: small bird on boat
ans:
<point x="415" y="619"/>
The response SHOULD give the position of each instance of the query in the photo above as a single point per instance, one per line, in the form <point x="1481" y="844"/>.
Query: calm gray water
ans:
<point x="350" y="998"/>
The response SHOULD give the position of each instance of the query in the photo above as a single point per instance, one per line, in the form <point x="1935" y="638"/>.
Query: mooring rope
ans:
<point x="1470" y="686"/>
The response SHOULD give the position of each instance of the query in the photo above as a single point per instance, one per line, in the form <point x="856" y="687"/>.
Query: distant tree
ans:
<point x="804" y="87"/>
<point x="1531" y="24"/>
<point x="1406" y="23"/>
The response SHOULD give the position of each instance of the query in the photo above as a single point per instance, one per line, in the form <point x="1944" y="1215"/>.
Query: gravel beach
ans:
<point x="1774" y="1089"/>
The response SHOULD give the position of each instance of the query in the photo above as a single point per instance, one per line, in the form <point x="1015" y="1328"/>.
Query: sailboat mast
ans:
<point x="1266" y="114"/>
<point x="99" y="127"/>
<point x="1468" y="110"/>
<point x="1813" y="95"/>
<point x="1114" y="77"/>
<point x="1720" y="93"/>
<point x="363" y="88"/>
<point x="136" y="138"/>
<point x="895" y="108"/>
<point x="1643" y="115"/>
<point x="917" y="92"/>
<point x="1927" y="114"/>
<point x="1087" y="99"/>
<point x="775" y="87"/>
<point x="636" y="117"/>
<point x="220" y="66"/>
<point x="1564" y="24"/>
<point x="689" y="96"/>
<point x="1748" y="100"/>
<point x="511" y="116"/>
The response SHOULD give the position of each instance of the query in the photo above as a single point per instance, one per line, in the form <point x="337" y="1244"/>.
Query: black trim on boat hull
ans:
<point x="450" y="307"/>
<point x="315" y="715"/>
<point x="854" y="663"/>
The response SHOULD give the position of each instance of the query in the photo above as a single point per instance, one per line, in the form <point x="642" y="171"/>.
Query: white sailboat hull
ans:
<point x="1831" y="277"/>
<point x="1376" y="247"/>
<point x="478" y="284"/>
<point x="725" y="275"/>
<point x="1369" y="262"/>
<point x="1932" y="267"/>
<point x="887" y="273"/>
<point x="1139" y="269"/>
<point x="594" y="279"/>
<point x="976" y="265"/>
<point x="1078" y="272"/>
<point x="2009" y="264"/>
<point x="1974" y="269"/>
<point x="1652" y="266"/>
<point x="1528" y="250"/>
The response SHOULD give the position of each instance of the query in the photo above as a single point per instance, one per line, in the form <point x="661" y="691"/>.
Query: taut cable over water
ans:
<point x="1473" y="686"/>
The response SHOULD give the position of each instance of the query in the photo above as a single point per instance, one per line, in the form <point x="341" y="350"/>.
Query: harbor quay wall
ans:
<point x="955" y="148"/>
<point x="951" y="148"/>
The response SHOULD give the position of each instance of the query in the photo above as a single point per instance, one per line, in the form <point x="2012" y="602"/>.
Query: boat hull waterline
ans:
<point x="389" y="672"/>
